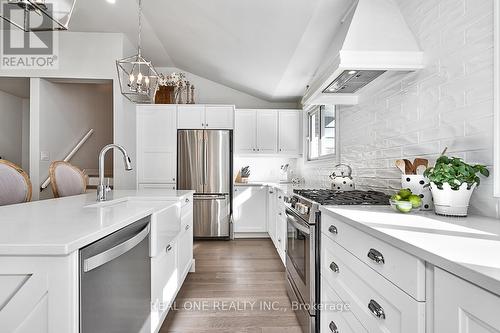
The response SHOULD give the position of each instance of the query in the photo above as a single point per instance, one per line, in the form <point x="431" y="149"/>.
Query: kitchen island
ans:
<point x="40" y="243"/>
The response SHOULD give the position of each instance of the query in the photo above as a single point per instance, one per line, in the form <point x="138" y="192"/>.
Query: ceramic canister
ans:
<point x="416" y="185"/>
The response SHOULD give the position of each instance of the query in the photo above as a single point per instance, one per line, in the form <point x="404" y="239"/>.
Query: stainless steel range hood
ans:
<point x="372" y="39"/>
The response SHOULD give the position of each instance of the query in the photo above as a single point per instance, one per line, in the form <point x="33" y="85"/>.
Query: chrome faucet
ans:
<point x="102" y="189"/>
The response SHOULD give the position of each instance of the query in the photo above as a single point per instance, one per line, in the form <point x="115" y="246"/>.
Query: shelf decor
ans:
<point x="137" y="76"/>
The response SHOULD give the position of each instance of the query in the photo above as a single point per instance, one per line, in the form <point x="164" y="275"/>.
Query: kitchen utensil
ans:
<point x="341" y="178"/>
<point x="420" y="165"/>
<point x="409" y="169"/>
<point x="400" y="164"/>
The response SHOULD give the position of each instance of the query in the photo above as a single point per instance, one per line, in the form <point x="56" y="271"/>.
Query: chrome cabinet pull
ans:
<point x="376" y="256"/>
<point x="333" y="327"/>
<point x="334" y="267"/>
<point x="376" y="309"/>
<point x="187" y="200"/>
<point x="187" y="227"/>
<point x="168" y="248"/>
<point x="333" y="229"/>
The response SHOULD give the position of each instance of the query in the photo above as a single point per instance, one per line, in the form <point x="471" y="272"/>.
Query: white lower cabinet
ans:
<point x="171" y="261"/>
<point x="276" y="221"/>
<point x="250" y="209"/>
<point x="272" y="211"/>
<point x="185" y="241"/>
<point x="336" y="317"/>
<point x="164" y="283"/>
<point x="461" y="307"/>
<point x="378" y="304"/>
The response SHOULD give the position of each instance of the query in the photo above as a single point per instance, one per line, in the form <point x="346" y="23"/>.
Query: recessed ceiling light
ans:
<point x="352" y="72"/>
<point x="111" y="1"/>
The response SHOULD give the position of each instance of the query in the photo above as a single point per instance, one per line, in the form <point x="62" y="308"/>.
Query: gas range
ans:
<point x="306" y="202"/>
<point x="303" y="245"/>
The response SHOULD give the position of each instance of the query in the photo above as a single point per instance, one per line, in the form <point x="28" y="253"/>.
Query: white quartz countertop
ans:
<point x="61" y="226"/>
<point x="467" y="247"/>
<point x="287" y="188"/>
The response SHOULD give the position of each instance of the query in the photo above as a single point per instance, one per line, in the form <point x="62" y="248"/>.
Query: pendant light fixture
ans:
<point x="137" y="76"/>
<point x="38" y="15"/>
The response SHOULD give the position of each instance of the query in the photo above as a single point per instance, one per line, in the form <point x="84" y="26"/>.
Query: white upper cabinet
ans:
<point x="156" y="144"/>
<point x="219" y="116"/>
<point x="205" y="116"/>
<point x="290" y="134"/>
<point x="245" y="131"/>
<point x="270" y="132"/>
<point x="267" y="131"/>
<point x="191" y="116"/>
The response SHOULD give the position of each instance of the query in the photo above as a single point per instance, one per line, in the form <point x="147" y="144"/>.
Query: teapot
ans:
<point x="341" y="178"/>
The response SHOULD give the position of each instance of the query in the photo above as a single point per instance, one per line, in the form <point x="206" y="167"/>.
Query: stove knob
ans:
<point x="301" y="208"/>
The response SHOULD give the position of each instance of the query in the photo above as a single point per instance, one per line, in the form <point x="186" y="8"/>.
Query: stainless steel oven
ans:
<point x="301" y="268"/>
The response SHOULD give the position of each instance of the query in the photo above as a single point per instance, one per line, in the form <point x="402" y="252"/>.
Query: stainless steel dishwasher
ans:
<point x="115" y="282"/>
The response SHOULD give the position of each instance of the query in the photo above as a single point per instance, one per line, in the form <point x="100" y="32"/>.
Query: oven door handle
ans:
<point x="293" y="220"/>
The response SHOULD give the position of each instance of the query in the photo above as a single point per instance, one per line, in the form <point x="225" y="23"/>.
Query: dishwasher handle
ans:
<point x="114" y="252"/>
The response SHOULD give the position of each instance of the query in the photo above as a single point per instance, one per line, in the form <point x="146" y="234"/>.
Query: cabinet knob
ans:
<point x="333" y="229"/>
<point x="187" y="200"/>
<point x="279" y="214"/>
<point x="334" y="267"/>
<point x="376" y="309"/>
<point x="376" y="256"/>
<point x="187" y="227"/>
<point x="173" y="179"/>
<point x="333" y="328"/>
<point x="168" y="248"/>
<point x="279" y="197"/>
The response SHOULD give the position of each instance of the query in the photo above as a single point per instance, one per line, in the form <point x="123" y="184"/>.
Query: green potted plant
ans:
<point x="452" y="182"/>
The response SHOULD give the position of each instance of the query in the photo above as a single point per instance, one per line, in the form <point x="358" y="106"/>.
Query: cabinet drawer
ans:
<point x="368" y="292"/>
<point x="164" y="282"/>
<point x="336" y="315"/>
<point x="165" y="226"/>
<point x="401" y="268"/>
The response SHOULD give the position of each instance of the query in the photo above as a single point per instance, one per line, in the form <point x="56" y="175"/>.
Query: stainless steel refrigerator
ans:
<point x="204" y="165"/>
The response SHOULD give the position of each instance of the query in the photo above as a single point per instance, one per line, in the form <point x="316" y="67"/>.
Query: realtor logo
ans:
<point x="27" y="50"/>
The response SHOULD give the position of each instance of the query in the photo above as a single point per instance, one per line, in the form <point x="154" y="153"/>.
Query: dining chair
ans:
<point x="15" y="184"/>
<point x="66" y="179"/>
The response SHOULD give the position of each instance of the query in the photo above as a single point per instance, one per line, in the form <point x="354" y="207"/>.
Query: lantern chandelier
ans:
<point x="137" y="76"/>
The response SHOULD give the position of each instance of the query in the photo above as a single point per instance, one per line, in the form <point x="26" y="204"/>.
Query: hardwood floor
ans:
<point x="238" y="287"/>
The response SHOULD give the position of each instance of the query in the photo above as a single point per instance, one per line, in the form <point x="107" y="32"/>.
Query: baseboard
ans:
<point x="251" y="235"/>
<point x="193" y="266"/>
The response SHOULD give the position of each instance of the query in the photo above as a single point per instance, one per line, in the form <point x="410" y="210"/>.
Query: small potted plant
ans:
<point x="452" y="182"/>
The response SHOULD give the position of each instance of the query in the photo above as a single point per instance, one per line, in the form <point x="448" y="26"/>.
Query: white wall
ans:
<point x="11" y="128"/>
<point x="447" y="104"/>
<point x="67" y="112"/>
<point x="210" y="92"/>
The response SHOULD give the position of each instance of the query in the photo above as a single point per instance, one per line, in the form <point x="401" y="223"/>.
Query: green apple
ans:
<point x="415" y="200"/>
<point x="396" y="197"/>
<point x="404" y="193"/>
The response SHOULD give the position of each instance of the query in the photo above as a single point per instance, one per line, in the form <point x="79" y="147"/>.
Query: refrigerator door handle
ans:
<point x="205" y="159"/>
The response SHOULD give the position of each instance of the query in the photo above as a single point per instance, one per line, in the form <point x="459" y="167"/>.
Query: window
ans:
<point x="322" y="132"/>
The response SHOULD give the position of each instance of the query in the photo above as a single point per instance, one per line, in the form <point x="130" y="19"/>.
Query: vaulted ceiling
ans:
<point x="267" y="48"/>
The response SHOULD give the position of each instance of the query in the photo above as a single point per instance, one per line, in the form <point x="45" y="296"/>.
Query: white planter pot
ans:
<point x="451" y="202"/>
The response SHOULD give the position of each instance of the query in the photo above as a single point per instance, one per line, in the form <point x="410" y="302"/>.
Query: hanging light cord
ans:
<point x="140" y="27"/>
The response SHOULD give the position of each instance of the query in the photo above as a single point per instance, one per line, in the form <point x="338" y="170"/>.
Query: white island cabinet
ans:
<point x="39" y="254"/>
